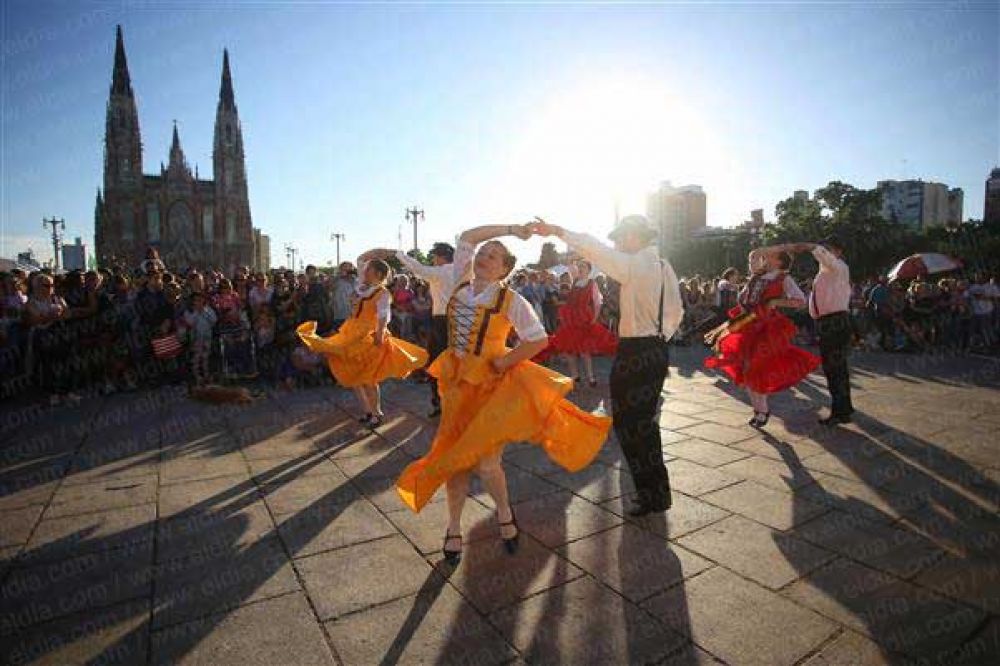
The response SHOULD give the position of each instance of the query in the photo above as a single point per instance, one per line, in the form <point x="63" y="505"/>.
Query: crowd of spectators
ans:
<point x="919" y="315"/>
<point x="120" y="329"/>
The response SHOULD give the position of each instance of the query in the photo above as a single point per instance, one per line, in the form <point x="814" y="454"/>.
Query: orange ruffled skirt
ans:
<point x="482" y="411"/>
<point x="355" y="360"/>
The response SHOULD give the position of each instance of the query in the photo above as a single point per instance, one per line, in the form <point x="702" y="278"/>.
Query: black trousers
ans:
<point x="637" y="375"/>
<point x="438" y="343"/>
<point x="834" y="345"/>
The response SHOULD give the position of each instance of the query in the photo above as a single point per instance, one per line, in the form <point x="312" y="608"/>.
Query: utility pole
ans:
<point x="338" y="237"/>
<point x="290" y="253"/>
<point x="57" y="226"/>
<point x="416" y="214"/>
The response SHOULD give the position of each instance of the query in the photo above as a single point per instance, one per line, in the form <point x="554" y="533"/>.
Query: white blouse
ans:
<point x="383" y="307"/>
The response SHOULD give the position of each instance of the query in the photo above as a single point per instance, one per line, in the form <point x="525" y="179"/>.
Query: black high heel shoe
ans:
<point x="451" y="556"/>
<point x="365" y="419"/>
<point x="759" y="419"/>
<point x="593" y="382"/>
<point x="511" y="544"/>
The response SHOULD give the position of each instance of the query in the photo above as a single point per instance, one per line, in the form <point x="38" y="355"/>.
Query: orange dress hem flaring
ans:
<point x="352" y="355"/>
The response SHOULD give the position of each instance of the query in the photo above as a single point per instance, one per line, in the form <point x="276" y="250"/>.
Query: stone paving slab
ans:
<point x="704" y="452"/>
<point x="356" y="577"/>
<point x="102" y="496"/>
<point x="434" y="626"/>
<point x="739" y="621"/>
<point x="207" y="532"/>
<point x="116" y="635"/>
<point x="596" y="627"/>
<point x="882" y="546"/>
<point x="61" y="538"/>
<point x="325" y="525"/>
<point x="694" y="479"/>
<point x="760" y="553"/>
<point x="275" y="631"/>
<point x="765" y="505"/>
<point x="768" y="472"/>
<point x="40" y="592"/>
<point x="207" y="583"/>
<point x="633" y="562"/>
<point x="851" y="649"/>
<point x="16" y="525"/>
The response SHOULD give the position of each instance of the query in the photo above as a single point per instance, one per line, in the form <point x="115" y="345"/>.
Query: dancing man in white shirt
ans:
<point x="829" y="306"/>
<point x="438" y="276"/>
<point x="651" y="311"/>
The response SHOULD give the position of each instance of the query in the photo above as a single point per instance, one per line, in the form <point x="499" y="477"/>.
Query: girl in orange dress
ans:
<point x="363" y="353"/>
<point x="492" y="395"/>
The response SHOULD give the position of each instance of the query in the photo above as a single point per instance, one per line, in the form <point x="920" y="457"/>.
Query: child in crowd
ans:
<point x="200" y="321"/>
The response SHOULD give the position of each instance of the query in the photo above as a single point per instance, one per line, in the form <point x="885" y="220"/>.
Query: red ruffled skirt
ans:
<point x="761" y="355"/>
<point x="579" y="334"/>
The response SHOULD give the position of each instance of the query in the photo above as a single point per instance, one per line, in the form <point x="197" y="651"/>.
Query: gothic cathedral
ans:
<point x="192" y="222"/>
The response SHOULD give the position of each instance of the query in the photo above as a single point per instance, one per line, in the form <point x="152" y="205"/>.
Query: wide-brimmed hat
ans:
<point x="634" y="223"/>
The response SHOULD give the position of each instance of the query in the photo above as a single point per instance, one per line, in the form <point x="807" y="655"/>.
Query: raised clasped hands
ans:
<point x="540" y="227"/>
<point x="522" y="231"/>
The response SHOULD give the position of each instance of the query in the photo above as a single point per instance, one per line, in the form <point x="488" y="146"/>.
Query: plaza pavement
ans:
<point x="147" y="528"/>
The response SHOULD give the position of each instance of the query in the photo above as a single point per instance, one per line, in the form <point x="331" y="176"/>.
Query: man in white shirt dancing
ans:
<point x="829" y="305"/>
<point x="651" y="311"/>
<point x="438" y="276"/>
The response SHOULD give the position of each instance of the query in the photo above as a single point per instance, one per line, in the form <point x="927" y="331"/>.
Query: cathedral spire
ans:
<point x="121" y="83"/>
<point x="177" y="161"/>
<point x="227" y="100"/>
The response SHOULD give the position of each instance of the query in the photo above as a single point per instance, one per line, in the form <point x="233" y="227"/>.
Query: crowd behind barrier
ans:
<point x="122" y="329"/>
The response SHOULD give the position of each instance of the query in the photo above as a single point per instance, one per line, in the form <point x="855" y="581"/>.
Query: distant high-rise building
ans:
<point x="991" y="207"/>
<point x="74" y="257"/>
<point x="678" y="212"/>
<point x="919" y="204"/>
<point x="261" y="251"/>
<point x="800" y="195"/>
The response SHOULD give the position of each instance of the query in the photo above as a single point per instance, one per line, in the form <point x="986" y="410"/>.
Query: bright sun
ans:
<point x="604" y="144"/>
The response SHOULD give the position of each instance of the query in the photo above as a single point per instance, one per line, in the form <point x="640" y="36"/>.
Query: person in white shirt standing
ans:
<point x="651" y="311"/>
<point x="439" y="277"/>
<point x="829" y="305"/>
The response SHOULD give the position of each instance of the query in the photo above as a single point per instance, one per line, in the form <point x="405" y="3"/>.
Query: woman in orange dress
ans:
<point x="492" y="395"/>
<point x="362" y="353"/>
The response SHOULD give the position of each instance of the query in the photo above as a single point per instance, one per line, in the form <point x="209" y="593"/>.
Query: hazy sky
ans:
<point x="481" y="112"/>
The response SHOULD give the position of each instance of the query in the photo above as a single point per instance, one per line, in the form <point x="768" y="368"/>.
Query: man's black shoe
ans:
<point x="434" y="413"/>
<point x="833" y="420"/>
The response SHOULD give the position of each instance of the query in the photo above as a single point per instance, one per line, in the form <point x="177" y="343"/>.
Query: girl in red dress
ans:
<point x="579" y="333"/>
<point x="755" y="347"/>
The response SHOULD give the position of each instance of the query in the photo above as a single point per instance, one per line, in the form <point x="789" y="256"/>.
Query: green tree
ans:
<point x="419" y="255"/>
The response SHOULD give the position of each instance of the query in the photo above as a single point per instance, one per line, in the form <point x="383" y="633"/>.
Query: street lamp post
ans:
<point x="415" y="213"/>
<point x="338" y="237"/>
<point x="290" y="254"/>
<point x="58" y="225"/>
